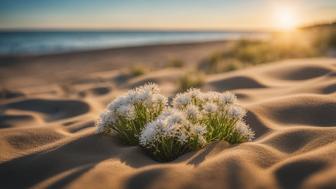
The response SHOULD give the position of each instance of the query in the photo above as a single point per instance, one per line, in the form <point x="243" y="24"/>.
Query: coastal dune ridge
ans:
<point x="49" y="105"/>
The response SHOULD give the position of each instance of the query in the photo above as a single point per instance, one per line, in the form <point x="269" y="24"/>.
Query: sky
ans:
<point x="164" y="15"/>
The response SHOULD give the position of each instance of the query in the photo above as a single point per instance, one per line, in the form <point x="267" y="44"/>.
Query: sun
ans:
<point x="285" y="19"/>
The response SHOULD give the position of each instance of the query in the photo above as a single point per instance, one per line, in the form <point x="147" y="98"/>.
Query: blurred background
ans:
<point x="45" y="26"/>
<point x="207" y="37"/>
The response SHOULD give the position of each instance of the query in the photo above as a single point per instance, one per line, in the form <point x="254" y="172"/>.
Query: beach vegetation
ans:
<point x="127" y="115"/>
<point x="137" y="70"/>
<point x="312" y="42"/>
<point x="176" y="63"/>
<point x="192" y="79"/>
<point x="218" y="112"/>
<point x="193" y="120"/>
<point x="171" y="135"/>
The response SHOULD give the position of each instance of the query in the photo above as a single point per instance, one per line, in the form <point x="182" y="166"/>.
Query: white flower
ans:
<point x="143" y="94"/>
<point x="149" y="132"/>
<point x="227" y="98"/>
<point x="182" y="137"/>
<point x="244" y="130"/>
<point x="116" y="103"/>
<point x="210" y="96"/>
<point x="170" y="124"/>
<point x="200" y="130"/>
<point x="126" y="111"/>
<point x="151" y="87"/>
<point x="145" y="97"/>
<point x="166" y="113"/>
<point x="106" y="119"/>
<point x="160" y="99"/>
<point x="169" y="130"/>
<point x="132" y="97"/>
<point x="175" y="118"/>
<point x="235" y="112"/>
<point x="192" y="112"/>
<point x="194" y="93"/>
<point x="181" y="100"/>
<point x="210" y="107"/>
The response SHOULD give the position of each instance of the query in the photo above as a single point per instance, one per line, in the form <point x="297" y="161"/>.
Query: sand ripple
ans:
<point x="50" y="142"/>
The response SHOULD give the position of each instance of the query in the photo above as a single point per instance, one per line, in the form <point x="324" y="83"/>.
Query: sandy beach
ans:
<point x="49" y="105"/>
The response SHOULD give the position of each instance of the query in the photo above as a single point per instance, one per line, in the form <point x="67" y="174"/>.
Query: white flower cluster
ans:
<point x="218" y="111"/>
<point x="172" y="134"/>
<point x="127" y="115"/>
<point x="172" y="124"/>
<point x="194" y="120"/>
<point x="243" y="130"/>
<point x="210" y="99"/>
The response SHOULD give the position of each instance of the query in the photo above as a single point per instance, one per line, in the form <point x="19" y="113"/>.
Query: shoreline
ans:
<point x="116" y="49"/>
<point x="66" y="66"/>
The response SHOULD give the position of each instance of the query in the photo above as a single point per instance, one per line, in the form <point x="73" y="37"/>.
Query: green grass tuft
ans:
<point x="190" y="80"/>
<point x="176" y="63"/>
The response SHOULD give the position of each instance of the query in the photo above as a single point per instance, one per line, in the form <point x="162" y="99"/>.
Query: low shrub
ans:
<point x="190" y="80"/>
<point x="172" y="135"/>
<point x="194" y="120"/>
<point x="137" y="70"/>
<point x="127" y="115"/>
<point x="218" y="112"/>
<point x="176" y="63"/>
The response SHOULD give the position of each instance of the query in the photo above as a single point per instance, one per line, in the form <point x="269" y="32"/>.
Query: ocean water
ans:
<point x="51" y="42"/>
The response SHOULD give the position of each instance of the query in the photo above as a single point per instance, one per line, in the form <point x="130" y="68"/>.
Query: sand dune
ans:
<point x="47" y="137"/>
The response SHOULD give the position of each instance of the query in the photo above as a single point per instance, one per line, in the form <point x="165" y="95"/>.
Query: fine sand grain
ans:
<point x="47" y="137"/>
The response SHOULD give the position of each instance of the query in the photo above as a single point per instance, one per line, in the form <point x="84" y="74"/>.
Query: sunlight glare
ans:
<point x="285" y="19"/>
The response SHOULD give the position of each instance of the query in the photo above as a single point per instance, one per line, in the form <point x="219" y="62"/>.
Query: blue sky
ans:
<point x="150" y="14"/>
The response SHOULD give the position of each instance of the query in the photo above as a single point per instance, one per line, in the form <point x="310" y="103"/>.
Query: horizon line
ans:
<point x="134" y="29"/>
